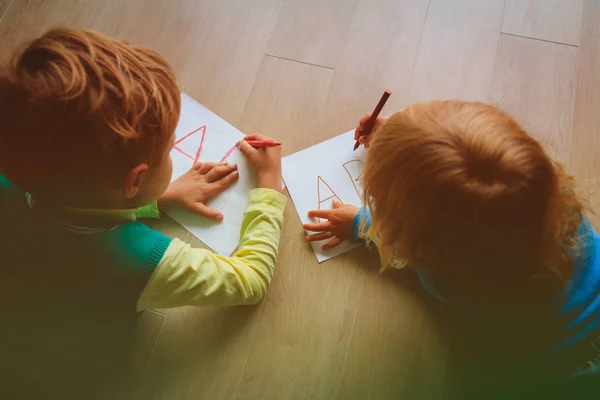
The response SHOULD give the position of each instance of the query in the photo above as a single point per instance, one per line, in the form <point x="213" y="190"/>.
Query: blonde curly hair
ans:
<point x="460" y="191"/>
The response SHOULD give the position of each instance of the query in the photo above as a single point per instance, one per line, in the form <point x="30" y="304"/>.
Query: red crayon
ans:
<point x="262" y="143"/>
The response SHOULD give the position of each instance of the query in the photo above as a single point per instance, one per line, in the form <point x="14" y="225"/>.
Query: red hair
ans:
<point x="461" y="191"/>
<point x="79" y="109"/>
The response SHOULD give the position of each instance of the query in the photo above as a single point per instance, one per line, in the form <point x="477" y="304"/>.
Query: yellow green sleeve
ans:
<point x="148" y="211"/>
<point x="198" y="277"/>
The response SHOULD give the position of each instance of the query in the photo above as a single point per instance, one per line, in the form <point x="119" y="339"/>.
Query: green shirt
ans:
<point x="115" y="257"/>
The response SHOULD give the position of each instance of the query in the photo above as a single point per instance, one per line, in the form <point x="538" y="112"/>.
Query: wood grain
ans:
<point x="381" y="44"/>
<point x="535" y="81"/>
<point x="456" y="56"/>
<point x="4" y="5"/>
<point x="311" y="31"/>
<point x="228" y="55"/>
<point x="66" y="353"/>
<point x="553" y="20"/>
<point x="178" y="45"/>
<point x="200" y="354"/>
<point x="393" y="324"/>
<point x="285" y="362"/>
<point x="125" y="386"/>
<point x="585" y="137"/>
<point x="26" y="19"/>
<point x="271" y="110"/>
<point x="135" y="21"/>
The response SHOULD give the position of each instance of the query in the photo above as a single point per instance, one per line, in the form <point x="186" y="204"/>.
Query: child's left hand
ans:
<point x="338" y="225"/>
<point x="200" y="183"/>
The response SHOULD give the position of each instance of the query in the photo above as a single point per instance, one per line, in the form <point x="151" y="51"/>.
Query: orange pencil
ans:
<point x="371" y="121"/>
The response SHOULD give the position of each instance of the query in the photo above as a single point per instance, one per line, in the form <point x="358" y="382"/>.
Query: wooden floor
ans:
<point x="303" y="71"/>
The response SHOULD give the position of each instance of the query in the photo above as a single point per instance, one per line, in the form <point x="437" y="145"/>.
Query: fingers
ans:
<point x="318" y="227"/>
<point x="332" y="243"/>
<point x="205" y="167"/>
<point x="257" y="136"/>
<point x="319" y="236"/>
<point x="365" y="140"/>
<point x="361" y="126"/>
<point x="247" y="150"/>
<point x="319" y="213"/>
<point x="225" y="182"/>
<point x="220" y="171"/>
<point x="205" y="211"/>
<point x="337" y="204"/>
<point x="364" y="119"/>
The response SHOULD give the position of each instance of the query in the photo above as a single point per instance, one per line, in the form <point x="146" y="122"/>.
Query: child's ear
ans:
<point x="134" y="180"/>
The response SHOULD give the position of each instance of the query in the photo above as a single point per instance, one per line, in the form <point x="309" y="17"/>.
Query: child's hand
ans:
<point x="338" y="225"/>
<point x="200" y="183"/>
<point x="359" y="133"/>
<point x="266" y="162"/>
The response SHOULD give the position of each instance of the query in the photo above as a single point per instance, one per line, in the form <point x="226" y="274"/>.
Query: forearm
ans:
<point x="188" y="276"/>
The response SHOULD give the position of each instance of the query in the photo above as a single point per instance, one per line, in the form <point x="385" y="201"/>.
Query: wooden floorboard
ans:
<point x="552" y="20"/>
<point x="311" y="31"/>
<point x="457" y="51"/>
<point x="541" y="99"/>
<point x="585" y="136"/>
<point x="285" y="362"/>
<point x="379" y="53"/>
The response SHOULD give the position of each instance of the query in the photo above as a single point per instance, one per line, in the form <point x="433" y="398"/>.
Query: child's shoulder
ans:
<point x="132" y="246"/>
<point x="126" y="247"/>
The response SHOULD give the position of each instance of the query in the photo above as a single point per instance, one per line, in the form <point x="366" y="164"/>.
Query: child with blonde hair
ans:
<point x="460" y="193"/>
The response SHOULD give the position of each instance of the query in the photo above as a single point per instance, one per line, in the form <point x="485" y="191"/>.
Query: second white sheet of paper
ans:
<point x="202" y="135"/>
<point x="321" y="173"/>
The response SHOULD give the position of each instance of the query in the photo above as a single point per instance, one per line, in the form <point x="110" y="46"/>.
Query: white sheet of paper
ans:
<point x="319" y="174"/>
<point x="212" y="140"/>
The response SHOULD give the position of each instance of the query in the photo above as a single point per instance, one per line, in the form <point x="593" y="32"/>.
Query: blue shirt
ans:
<point x="576" y="311"/>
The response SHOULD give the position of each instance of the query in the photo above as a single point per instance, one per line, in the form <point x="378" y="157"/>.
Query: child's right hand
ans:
<point x="359" y="133"/>
<point x="266" y="162"/>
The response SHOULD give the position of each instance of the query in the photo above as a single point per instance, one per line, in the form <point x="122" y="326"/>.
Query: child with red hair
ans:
<point x="87" y="126"/>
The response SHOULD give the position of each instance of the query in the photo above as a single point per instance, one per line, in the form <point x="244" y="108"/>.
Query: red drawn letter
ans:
<point x="189" y="136"/>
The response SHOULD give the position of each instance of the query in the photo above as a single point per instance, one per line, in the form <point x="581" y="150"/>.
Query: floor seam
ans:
<point x="6" y="11"/>
<point x="539" y="40"/>
<point x="298" y="61"/>
<point x="412" y="71"/>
